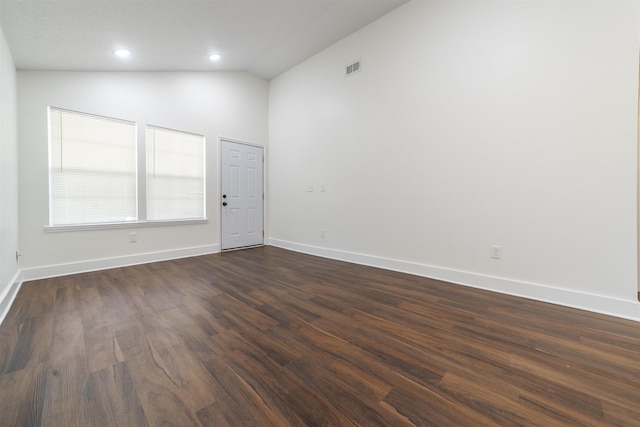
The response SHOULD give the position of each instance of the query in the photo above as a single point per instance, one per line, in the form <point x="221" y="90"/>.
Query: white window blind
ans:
<point x="175" y="174"/>
<point x="92" y="169"/>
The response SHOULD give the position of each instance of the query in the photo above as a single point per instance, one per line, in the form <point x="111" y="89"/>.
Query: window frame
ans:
<point x="203" y="200"/>
<point x="52" y="170"/>
<point x="140" y="185"/>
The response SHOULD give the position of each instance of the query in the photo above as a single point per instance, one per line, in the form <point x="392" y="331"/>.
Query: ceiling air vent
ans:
<point x="353" y="68"/>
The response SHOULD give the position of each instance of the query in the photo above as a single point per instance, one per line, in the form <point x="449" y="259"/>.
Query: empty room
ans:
<point x="319" y="213"/>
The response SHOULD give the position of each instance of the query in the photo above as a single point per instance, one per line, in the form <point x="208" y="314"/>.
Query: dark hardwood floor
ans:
<point x="268" y="337"/>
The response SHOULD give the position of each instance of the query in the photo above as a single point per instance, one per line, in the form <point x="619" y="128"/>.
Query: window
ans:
<point x="93" y="178"/>
<point x="175" y="174"/>
<point x="92" y="169"/>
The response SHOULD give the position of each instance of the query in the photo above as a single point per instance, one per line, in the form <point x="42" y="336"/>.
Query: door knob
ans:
<point x="224" y="196"/>
<point x="224" y="203"/>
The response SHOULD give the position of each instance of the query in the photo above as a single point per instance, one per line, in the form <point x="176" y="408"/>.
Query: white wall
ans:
<point x="213" y="104"/>
<point x="8" y="176"/>
<point x="471" y="124"/>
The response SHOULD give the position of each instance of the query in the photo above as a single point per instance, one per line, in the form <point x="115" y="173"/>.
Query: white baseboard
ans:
<point x="569" y="298"/>
<point x="106" y="263"/>
<point x="36" y="273"/>
<point x="6" y="299"/>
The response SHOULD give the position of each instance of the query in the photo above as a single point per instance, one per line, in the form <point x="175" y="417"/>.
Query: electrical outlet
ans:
<point x="133" y="237"/>
<point x="322" y="233"/>
<point x="496" y="252"/>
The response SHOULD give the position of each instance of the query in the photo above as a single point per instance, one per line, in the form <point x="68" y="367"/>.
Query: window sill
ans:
<point x="128" y="224"/>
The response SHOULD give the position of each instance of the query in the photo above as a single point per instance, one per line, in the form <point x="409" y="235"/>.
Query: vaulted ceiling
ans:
<point x="263" y="37"/>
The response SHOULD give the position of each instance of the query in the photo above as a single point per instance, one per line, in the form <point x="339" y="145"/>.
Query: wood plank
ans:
<point x="35" y="335"/>
<point x="253" y="390"/>
<point x="22" y="396"/>
<point x="270" y="337"/>
<point x="67" y="371"/>
<point x="112" y="398"/>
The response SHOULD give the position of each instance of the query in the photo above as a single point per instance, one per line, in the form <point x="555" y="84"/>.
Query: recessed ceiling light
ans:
<point x="215" y="57"/>
<point x="122" y="53"/>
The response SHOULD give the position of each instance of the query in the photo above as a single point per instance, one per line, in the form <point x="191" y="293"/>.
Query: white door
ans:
<point x="241" y="195"/>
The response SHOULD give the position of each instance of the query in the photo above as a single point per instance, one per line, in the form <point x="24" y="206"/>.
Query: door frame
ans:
<point x="638" y="192"/>
<point x="264" y="192"/>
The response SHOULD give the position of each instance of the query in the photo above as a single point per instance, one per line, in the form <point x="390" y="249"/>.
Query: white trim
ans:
<point x="569" y="298"/>
<point x="123" y="261"/>
<point x="239" y="141"/>
<point x="9" y="296"/>
<point x="580" y="300"/>
<point x="241" y="248"/>
<point x="127" y="224"/>
<point x="147" y="126"/>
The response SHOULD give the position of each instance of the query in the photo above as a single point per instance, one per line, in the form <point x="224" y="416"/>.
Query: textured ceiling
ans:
<point x="263" y="37"/>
